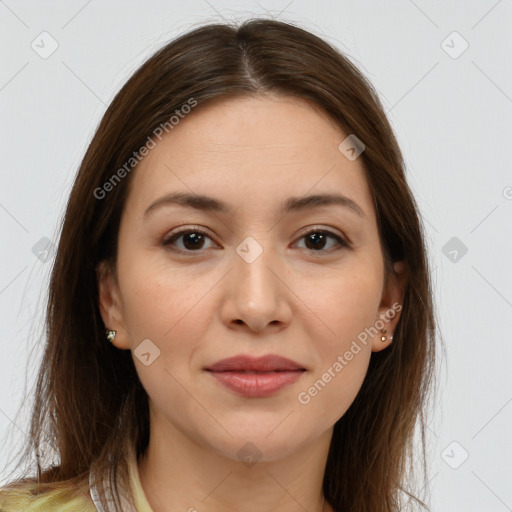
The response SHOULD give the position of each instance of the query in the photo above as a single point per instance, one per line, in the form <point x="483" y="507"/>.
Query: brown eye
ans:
<point x="193" y="240"/>
<point x="316" y="240"/>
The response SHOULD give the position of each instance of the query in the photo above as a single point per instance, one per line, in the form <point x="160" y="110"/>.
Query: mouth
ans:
<point x="256" y="377"/>
<point x="263" y="364"/>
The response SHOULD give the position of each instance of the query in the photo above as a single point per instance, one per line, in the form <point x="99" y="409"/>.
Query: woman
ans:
<point x="240" y="314"/>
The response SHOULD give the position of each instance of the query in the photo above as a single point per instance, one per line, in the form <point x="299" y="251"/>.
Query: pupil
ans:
<point x="196" y="239"/>
<point x="316" y="237"/>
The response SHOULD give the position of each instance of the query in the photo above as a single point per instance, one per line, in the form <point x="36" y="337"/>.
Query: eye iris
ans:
<point x="316" y="238"/>
<point x="197" y="240"/>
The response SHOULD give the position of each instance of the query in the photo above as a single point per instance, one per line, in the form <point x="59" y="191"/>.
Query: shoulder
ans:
<point x="22" y="498"/>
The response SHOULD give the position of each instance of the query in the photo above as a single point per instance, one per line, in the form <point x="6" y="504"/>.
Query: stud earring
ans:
<point x="384" y="338"/>
<point x="111" y="335"/>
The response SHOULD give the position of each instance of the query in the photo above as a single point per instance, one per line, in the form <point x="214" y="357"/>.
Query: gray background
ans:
<point x="452" y="114"/>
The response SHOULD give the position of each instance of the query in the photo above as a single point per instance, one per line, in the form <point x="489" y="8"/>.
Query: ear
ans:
<point x="390" y="307"/>
<point x="110" y="305"/>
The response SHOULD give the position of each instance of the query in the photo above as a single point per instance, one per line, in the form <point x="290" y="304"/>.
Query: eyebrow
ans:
<point x="292" y="204"/>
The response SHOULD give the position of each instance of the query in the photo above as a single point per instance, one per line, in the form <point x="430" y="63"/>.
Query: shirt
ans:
<point x="65" y="500"/>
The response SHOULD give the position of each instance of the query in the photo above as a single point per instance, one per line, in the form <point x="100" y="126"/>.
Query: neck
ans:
<point x="178" y="474"/>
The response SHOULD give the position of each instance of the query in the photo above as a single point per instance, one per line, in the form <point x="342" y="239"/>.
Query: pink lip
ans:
<point x="256" y="377"/>
<point x="257" y="384"/>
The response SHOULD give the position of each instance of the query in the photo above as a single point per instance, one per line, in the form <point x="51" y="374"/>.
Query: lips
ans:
<point x="256" y="377"/>
<point x="244" y="363"/>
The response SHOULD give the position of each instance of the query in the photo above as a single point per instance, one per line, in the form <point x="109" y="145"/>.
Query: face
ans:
<point x="200" y="281"/>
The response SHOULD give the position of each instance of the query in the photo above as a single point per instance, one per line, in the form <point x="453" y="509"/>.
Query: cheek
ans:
<point x="348" y="305"/>
<point x="329" y="394"/>
<point x="170" y="310"/>
<point x="343" y="362"/>
<point x="347" y="301"/>
<point x="157" y="295"/>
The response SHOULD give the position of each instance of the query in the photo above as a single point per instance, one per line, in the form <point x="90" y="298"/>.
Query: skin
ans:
<point x="210" y="303"/>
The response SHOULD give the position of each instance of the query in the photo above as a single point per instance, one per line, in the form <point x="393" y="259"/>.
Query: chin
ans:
<point x="256" y="445"/>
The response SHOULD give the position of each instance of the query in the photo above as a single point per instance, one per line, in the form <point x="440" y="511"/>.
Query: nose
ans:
<point x="256" y="294"/>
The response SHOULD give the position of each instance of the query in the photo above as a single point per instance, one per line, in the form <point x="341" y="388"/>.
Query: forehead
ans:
<point x="251" y="150"/>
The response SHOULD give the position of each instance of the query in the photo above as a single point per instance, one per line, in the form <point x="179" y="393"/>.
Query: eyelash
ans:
<point x="176" y="235"/>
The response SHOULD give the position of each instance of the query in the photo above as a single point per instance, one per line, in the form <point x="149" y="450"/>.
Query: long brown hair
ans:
<point x="89" y="402"/>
